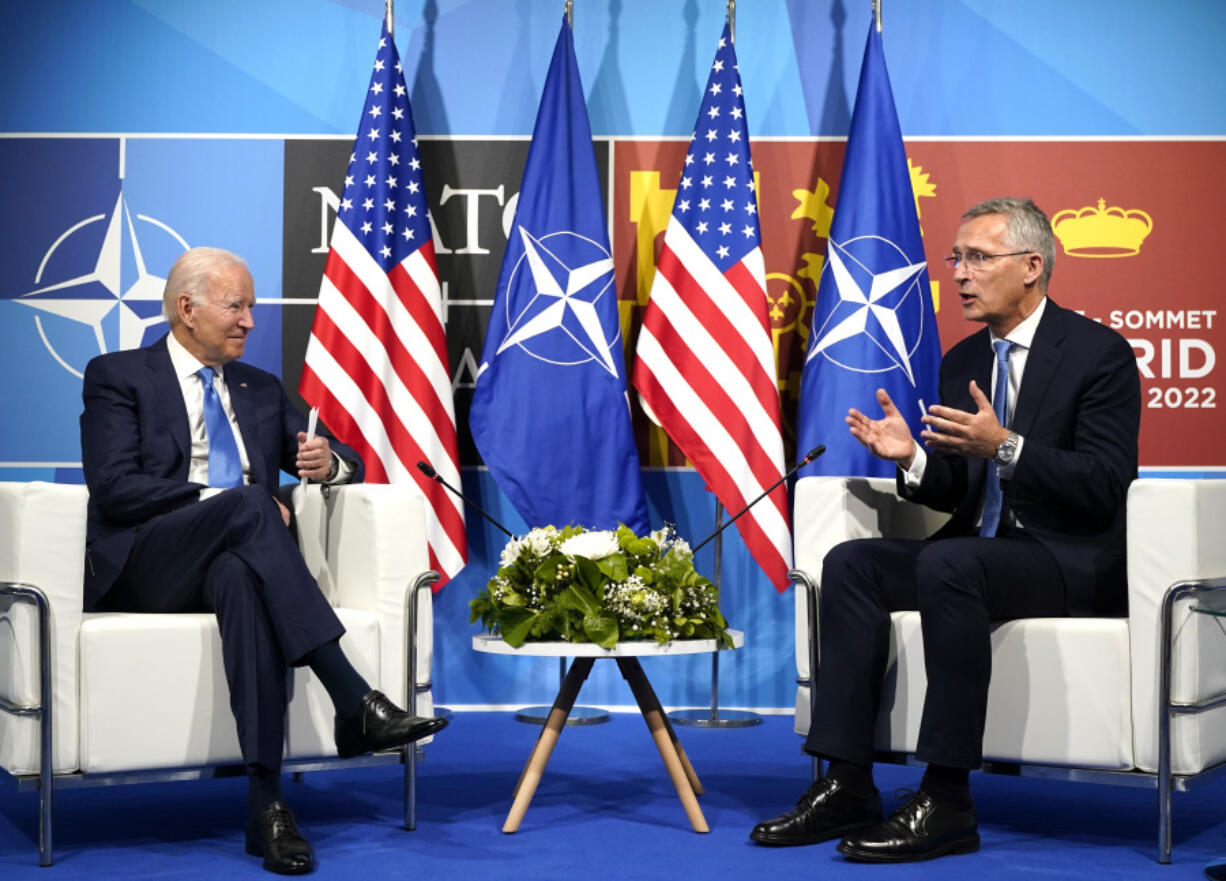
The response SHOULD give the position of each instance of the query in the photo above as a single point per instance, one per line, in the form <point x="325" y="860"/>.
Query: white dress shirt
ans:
<point x="186" y="367"/>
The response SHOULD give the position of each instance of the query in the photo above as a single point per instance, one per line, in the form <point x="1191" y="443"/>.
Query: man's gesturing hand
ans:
<point x="966" y="434"/>
<point x="888" y="437"/>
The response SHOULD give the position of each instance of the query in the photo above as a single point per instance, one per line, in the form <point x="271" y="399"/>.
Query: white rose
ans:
<point x="594" y="545"/>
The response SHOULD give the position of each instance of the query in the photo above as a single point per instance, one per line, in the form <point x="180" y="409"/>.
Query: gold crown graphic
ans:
<point x="1101" y="231"/>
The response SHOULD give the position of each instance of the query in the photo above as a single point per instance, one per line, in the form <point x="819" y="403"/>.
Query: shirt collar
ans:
<point x="1023" y="334"/>
<point x="184" y="362"/>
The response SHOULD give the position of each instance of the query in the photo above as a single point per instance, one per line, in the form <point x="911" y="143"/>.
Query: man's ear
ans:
<point x="186" y="309"/>
<point x="1034" y="269"/>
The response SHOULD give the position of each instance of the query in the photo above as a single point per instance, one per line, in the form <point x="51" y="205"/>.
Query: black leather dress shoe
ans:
<point x="923" y="828"/>
<point x="273" y="835"/>
<point x="379" y="724"/>
<point x="826" y="810"/>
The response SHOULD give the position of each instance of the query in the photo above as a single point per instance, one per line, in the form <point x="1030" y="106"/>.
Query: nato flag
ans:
<point x="550" y="414"/>
<point x="873" y="323"/>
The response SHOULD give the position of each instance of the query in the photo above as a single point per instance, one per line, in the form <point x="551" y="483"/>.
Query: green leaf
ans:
<point x="601" y="629"/>
<point x="548" y="570"/>
<point x="587" y="574"/>
<point x="513" y="598"/>
<point x="481" y="612"/>
<point x="613" y="567"/>
<point x="644" y="547"/>
<point x="515" y="625"/>
<point x="578" y="597"/>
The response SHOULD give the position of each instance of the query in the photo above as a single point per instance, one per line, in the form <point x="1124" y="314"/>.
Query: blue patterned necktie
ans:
<point x="225" y="467"/>
<point x="992" y="497"/>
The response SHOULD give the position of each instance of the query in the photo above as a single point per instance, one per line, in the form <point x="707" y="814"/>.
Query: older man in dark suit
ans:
<point x="1036" y="479"/>
<point x="182" y="446"/>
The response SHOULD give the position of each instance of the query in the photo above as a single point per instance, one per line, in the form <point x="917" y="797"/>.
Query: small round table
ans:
<point x="627" y="654"/>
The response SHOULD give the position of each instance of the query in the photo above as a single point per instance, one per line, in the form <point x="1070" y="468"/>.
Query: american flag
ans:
<point x="376" y="362"/>
<point x="705" y="361"/>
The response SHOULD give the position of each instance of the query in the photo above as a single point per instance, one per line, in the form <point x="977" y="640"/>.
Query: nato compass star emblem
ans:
<point x="90" y="298"/>
<point x="560" y="323"/>
<point x="876" y="321"/>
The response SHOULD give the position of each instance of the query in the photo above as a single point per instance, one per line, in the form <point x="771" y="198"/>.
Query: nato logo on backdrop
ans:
<point x="90" y="228"/>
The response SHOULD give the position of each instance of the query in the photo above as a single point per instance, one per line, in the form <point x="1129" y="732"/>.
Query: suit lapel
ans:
<point x="977" y="467"/>
<point x="1041" y="365"/>
<point x="169" y="395"/>
<point x="981" y="372"/>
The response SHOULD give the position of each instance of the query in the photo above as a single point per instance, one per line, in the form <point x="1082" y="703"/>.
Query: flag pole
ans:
<point x="391" y="17"/>
<point x="570" y="13"/>
<point x="713" y="718"/>
<point x="877" y="14"/>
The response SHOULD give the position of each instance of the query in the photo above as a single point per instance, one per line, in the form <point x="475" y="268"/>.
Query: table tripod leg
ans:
<point x="531" y="776"/>
<point x="665" y="740"/>
<point x="690" y="773"/>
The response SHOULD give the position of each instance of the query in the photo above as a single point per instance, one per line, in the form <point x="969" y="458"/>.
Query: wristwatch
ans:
<point x="1007" y="450"/>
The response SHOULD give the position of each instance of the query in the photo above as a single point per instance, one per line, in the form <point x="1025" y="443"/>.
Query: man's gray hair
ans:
<point x="190" y="275"/>
<point x="1028" y="229"/>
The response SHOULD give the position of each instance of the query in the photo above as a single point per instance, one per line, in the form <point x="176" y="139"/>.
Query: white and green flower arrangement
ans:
<point x="599" y="586"/>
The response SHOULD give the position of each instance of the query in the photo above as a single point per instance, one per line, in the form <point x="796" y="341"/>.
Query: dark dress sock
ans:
<point x="949" y="784"/>
<point x="344" y="684"/>
<point x="263" y="788"/>
<point x="858" y="779"/>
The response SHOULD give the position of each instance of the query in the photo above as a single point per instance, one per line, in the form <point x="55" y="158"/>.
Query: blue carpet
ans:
<point x="605" y="810"/>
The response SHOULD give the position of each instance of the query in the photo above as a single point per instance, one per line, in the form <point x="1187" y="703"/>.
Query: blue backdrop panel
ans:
<point x="960" y="67"/>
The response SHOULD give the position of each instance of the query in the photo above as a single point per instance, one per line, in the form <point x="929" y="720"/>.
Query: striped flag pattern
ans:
<point x="376" y="362"/>
<point x="705" y="360"/>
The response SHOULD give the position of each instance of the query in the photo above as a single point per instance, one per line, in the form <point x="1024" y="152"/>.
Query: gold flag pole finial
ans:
<point x="732" y="19"/>
<point x="391" y="16"/>
<point x="877" y="14"/>
<point x="570" y="13"/>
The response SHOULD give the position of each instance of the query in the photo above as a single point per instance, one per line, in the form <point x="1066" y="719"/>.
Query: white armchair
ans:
<point x="1137" y="701"/>
<point x="105" y="698"/>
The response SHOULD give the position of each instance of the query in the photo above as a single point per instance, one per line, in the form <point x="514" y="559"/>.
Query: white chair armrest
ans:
<point x="366" y="545"/>
<point x="42" y="543"/>
<point x="1175" y="534"/>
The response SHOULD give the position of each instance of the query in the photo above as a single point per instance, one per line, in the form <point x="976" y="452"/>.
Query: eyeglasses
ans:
<point x="977" y="259"/>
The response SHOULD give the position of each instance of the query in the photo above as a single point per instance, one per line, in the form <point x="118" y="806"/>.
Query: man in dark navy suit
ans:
<point x="182" y="446"/>
<point x="1035" y="477"/>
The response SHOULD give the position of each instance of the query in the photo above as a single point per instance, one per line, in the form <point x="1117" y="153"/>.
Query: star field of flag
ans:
<point x="384" y="201"/>
<point x="715" y="199"/>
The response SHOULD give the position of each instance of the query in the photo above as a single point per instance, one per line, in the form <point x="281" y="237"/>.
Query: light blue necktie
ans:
<point x="225" y="467"/>
<point x="992" y="497"/>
